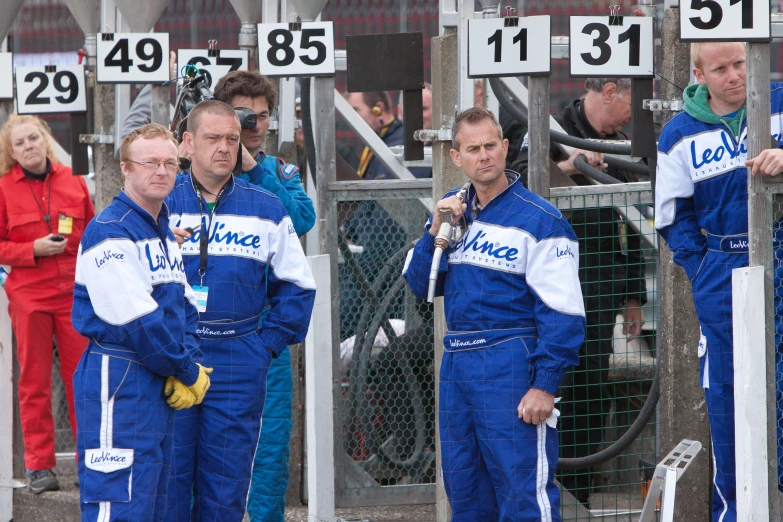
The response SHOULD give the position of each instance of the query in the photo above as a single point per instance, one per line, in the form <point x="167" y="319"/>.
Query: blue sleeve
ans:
<point x="289" y="190"/>
<point x="418" y="264"/>
<point x="140" y="112"/>
<point x="192" y="340"/>
<point x="290" y="291"/>
<point x="113" y="303"/>
<point x="552" y="273"/>
<point x="675" y="217"/>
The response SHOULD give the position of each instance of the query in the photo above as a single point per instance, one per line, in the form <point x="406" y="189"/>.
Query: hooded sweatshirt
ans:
<point x="697" y="105"/>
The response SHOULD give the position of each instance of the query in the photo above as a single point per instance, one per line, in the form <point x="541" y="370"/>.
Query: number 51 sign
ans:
<point x="725" y="20"/>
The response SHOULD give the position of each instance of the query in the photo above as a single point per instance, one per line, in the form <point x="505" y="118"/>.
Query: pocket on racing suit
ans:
<point x="108" y="471"/>
<point x="108" y="475"/>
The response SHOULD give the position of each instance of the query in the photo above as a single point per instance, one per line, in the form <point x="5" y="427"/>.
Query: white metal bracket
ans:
<point x="663" y="105"/>
<point x="667" y="473"/>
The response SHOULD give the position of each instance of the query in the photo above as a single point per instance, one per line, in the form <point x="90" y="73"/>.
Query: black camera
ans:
<point x="248" y="119"/>
<point x="192" y="91"/>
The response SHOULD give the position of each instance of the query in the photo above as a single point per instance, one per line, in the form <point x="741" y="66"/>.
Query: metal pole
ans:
<point x="538" y="113"/>
<point x="760" y="217"/>
<point x="108" y="179"/>
<point x="678" y="332"/>
<point x="320" y="406"/>
<point x="445" y="176"/>
<point x="322" y="111"/>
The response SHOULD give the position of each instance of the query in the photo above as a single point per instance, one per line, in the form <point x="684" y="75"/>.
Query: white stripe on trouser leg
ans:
<point x="542" y="474"/>
<point x="715" y="482"/>
<point x="107" y="417"/>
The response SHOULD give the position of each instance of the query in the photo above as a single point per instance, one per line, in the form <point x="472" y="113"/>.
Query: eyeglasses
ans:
<point x="172" y="167"/>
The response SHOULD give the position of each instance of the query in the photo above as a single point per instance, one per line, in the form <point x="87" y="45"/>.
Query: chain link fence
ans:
<point x="388" y="396"/>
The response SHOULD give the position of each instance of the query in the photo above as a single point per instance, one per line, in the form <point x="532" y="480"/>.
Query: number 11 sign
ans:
<point x="509" y="46"/>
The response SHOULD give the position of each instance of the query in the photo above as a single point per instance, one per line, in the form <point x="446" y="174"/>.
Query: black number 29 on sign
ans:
<point x="71" y="87"/>
<point x="497" y="40"/>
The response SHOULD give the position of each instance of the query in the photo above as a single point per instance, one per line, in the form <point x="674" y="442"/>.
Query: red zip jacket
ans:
<point x="65" y="198"/>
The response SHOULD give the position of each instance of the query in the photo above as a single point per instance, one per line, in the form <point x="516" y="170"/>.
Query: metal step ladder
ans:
<point x="664" y="482"/>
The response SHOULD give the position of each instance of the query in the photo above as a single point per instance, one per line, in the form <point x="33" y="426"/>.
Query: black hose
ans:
<point x="621" y="444"/>
<point x="558" y="137"/>
<point x="629" y="166"/>
<point x="364" y="409"/>
<point x="307" y="127"/>
<point x="580" y="162"/>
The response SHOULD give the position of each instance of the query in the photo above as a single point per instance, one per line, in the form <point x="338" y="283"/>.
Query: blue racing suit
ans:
<point x="702" y="186"/>
<point x="132" y="301"/>
<point x="253" y="258"/>
<point x="515" y="321"/>
<point x="266" y="501"/>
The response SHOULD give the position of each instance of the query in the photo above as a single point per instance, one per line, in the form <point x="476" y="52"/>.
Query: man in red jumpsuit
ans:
<point x="43" y="212"/>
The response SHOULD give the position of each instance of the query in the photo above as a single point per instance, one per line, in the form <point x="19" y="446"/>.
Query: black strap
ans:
<point x="46" y="215"/>
<point x="205" y="227"/>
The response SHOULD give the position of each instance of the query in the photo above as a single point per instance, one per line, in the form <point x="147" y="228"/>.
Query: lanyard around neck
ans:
<point x="205" y="227"/>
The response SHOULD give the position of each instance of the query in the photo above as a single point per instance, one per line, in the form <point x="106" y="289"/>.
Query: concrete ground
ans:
<point x="63" y="506"/>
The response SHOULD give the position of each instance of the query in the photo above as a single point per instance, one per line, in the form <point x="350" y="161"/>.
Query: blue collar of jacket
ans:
<point x="513" y="179"/>
<point x="163" y="216"/>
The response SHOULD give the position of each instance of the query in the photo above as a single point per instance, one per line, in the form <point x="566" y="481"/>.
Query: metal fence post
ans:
<point x="683" y="413"/>
<point x="445" y="176"/>
<point x="320" y="406"/>
<point x="760" y="221"/>
<point x="538" y="170"/>
<point x="322" y="111"/>
<point x="108" y="179"/>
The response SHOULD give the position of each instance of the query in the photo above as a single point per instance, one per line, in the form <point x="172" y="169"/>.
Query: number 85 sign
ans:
<point x="307" y="51"/>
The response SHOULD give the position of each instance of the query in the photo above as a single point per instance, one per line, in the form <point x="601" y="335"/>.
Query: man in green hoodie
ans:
<point x="702" y="185"/>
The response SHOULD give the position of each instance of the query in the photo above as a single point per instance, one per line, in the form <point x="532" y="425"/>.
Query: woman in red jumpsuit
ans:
<point x="43" y="211"/>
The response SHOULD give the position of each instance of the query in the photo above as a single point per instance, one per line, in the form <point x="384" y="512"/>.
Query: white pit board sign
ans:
<point x="60" y="89"/>
<point x="6" y="76"/>
<point x="286" y="50"/>
<point x="132" y="58"/>
<point x="510" y="46"/>
<point x="597" y="49"/>
<point x="725" y="21"/>
<point x="215" y="67"/>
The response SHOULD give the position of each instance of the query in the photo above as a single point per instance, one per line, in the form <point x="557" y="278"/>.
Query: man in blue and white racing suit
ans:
<point x="243" y="253"/>
<point x="132" y="300"/>
<point x="702" y="186"/>
<point x="515" y="321"/>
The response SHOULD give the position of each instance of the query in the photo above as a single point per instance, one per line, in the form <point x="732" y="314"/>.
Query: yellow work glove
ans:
<point x="200" y="387"/>
<point x="180" y="396"/>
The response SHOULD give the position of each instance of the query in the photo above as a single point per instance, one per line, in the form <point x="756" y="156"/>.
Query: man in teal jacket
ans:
<point x="249" y="89"/>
